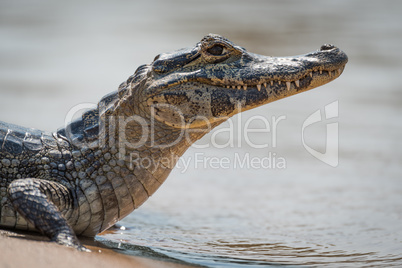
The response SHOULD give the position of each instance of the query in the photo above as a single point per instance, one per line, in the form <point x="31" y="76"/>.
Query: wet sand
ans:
<point x="31" y="250"/>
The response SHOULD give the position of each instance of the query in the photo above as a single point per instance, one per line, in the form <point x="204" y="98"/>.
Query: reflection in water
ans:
<point x="55" y="55"/>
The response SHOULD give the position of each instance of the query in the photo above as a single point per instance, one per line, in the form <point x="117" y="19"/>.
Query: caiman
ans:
<point x="83" y="178"/>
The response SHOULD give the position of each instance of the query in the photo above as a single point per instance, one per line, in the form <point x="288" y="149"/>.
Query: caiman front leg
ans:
<point x="39" y="202"/>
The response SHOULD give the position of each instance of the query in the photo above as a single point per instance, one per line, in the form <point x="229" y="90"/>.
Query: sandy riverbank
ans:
<point x="30" y="250"/>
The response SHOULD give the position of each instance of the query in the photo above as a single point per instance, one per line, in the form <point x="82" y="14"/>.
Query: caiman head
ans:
<point x="206" y="84"/>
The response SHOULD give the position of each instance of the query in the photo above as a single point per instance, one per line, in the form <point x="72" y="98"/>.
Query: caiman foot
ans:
<point x="33" y="199"/>
<point x="69" y="241"/>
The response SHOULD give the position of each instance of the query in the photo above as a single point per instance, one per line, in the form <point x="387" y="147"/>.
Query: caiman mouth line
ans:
<point x="289" y="84"/>
<point x="303" y="81"/>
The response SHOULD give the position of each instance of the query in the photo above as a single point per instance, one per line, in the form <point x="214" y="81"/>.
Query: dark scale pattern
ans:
<point x="221" y="104"/>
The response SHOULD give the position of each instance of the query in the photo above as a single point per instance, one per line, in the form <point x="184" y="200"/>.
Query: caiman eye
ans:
<point x="216" y="50"/>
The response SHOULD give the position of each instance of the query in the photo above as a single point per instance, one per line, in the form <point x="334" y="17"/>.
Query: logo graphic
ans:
<point x="330" y="156"/>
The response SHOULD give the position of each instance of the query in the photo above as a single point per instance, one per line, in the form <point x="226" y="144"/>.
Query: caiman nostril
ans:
<point x="327" y="47"/>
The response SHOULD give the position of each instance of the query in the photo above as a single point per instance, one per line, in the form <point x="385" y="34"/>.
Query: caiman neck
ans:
<point x="138" y="135"/>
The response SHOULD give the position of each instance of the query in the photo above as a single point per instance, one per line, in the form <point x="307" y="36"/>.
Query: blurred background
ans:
<point x="55" y="55"/>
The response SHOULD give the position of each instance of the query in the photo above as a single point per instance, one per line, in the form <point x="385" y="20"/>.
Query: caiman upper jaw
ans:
<point x="257" y="71"/>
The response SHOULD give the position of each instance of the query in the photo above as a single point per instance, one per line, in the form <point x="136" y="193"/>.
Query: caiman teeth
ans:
<point x="244" y="86"/>
<point x="288" y="85"/>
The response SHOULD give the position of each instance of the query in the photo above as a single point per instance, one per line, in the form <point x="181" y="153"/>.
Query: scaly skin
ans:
<point x="85" y="177"/>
